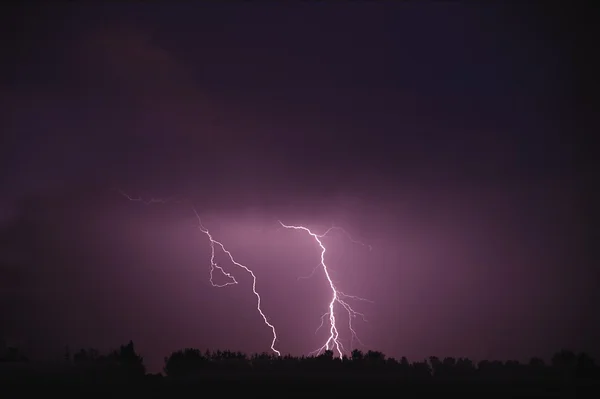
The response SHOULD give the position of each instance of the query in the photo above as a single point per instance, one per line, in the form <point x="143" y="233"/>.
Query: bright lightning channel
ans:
<point x="214" y="266"/>
<point x="338" y="297"/>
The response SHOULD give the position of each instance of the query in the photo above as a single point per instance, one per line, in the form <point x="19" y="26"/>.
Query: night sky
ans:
<point x="448" y="136"/>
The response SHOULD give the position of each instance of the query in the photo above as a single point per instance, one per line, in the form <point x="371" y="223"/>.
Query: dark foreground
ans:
<point x="286" y="385"/>
<point x="192" y="372"/>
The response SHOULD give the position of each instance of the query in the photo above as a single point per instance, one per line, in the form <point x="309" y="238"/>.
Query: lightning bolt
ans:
<point x="149" y="201"/>
<point x="233" y="281"/>
<point x="215" y="266"/>
<point x="338" y="297"/>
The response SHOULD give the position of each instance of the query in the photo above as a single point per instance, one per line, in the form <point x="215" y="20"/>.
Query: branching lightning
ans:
<point x="215" y="266"/>
<point x="338" y="297"/>
<point x="232" y="279"/>
<point x="149" y="201"/>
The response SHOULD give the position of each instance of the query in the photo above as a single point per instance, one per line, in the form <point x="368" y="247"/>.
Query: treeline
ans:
<point x="189" y="364"/>
<point x="123" y="364"/>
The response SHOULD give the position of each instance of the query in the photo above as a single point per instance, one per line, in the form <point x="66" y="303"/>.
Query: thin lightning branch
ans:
<point x="258" y="299"/>
<point x="322" y="321"/>
<point x="311" y="273"/>
<point x="338" y="297"/>
<point x="214" y="266"/>
<point x="147" y="202"/>
<point x="352" y="240"/>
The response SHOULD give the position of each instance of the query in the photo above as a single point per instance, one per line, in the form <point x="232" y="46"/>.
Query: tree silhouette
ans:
<point x="586" y="366"/>
<point x="357" y="355"/>
<point x="372" y="367"/>
<point x="128" y="361"/>
<point x="86" y="356"/>
<point x="13" y="354"/>
<point x="326" y="355"/>
<point x="185" y="363"/>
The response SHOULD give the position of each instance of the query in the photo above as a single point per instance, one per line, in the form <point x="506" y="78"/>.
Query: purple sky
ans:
<point x="441" y="135"/>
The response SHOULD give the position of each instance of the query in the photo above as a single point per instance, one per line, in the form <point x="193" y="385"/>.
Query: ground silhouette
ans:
<point x="568" y="374"/>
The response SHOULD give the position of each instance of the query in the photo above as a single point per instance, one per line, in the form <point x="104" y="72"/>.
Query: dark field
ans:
<point x="191" y="372"/>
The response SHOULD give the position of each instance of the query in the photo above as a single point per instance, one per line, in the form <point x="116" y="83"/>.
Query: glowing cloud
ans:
<point x="214" y="266"/>
<point x="338" y="298"/>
